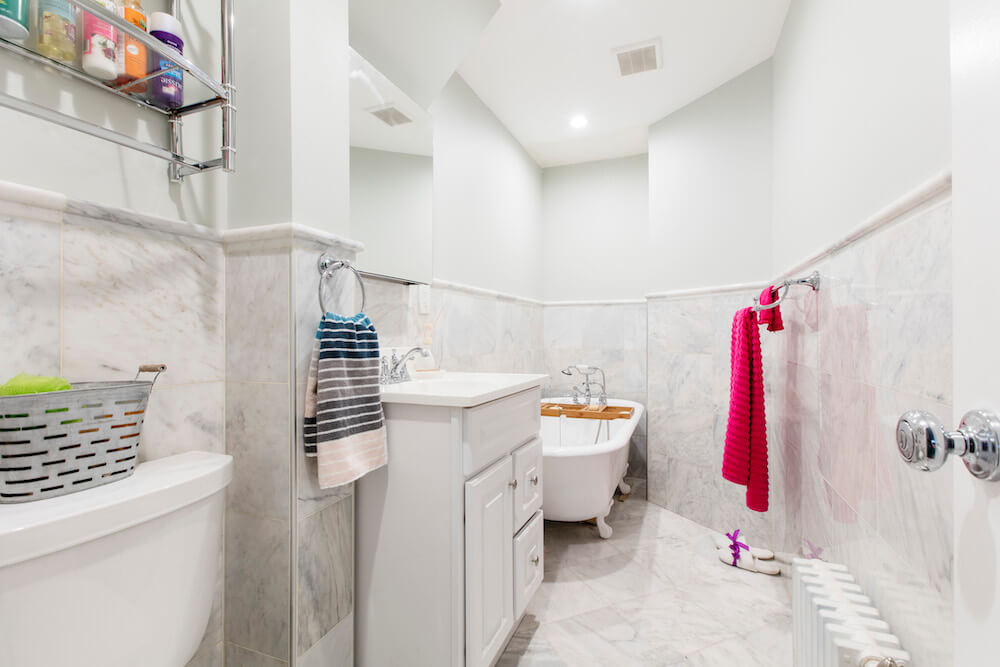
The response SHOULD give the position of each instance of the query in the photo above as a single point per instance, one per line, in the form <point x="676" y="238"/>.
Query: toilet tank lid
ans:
<point x="34" y="529"/>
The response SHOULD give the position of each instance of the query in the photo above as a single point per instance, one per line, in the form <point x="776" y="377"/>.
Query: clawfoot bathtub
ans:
<point x="585" y="459"/>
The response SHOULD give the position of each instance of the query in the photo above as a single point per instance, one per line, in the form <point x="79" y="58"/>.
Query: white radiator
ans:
<point x="834" y="624"/>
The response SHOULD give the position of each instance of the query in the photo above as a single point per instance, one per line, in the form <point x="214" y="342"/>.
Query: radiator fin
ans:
<point x="834" y="624"/>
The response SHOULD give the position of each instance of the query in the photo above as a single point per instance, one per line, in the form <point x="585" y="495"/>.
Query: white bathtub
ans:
<point x="585" y="459"/>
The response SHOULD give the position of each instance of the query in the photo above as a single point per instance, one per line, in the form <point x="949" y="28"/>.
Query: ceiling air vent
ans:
<point x="638" y="58"/>
<point x="390" y="115"/>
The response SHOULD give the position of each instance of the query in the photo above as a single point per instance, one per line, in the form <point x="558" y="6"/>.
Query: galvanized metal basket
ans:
<point x="60" y="442"/>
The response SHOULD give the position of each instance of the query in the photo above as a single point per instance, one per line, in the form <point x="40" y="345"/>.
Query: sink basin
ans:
<point x="460" y="390"/>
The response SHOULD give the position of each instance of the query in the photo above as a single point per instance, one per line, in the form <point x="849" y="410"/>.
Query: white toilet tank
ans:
<point x="116" y="576"/>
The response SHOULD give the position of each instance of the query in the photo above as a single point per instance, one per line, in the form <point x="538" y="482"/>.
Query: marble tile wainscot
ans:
<point x="853" y="356"/>
<point x="608" y="334"/>
<point x="873" y="343"/>
<point x="291" y="544"/>
<point x="90" y="292"/>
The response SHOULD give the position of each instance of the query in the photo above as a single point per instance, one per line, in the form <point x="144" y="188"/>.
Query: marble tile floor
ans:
<point x="653" y="594"/>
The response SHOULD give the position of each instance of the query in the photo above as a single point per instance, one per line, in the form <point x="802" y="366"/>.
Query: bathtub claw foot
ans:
<point x="624" y="487"/>
<point x="603" y="529"/>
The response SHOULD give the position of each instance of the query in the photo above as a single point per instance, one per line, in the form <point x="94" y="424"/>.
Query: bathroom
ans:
<point x="554" y="230"/>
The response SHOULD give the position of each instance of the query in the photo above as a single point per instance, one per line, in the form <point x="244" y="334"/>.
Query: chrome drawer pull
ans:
<point x="535" y="560"/>
<point x="513" y="484"/>
<point x="534" y="480"/>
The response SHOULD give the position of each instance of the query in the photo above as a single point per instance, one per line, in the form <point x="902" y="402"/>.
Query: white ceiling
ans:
<point x="539" y="62"/>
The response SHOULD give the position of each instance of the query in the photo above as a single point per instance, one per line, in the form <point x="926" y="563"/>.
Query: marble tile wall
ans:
<point x="90" y="293"/>
<point x="611" y="336"/>
<point x="872" y="343"/>
<point x="471" y="331"/>
<point x="258" y="435"/>
<point x="688" y="403"/>
<point x="483" y="332"/>
<point x="291" y="544"/>
<point x="323" y="602"/>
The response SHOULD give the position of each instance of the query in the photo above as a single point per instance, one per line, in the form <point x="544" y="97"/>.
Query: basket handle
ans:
<point x="151" y="368"/>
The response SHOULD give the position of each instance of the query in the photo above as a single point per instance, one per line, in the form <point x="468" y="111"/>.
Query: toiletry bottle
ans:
<point x="166" y="90"/>
<point x="99" y="44"/>
<point x="131" y="52"/>
<point x="14" y="19"/>
<point x="57" y="30"/>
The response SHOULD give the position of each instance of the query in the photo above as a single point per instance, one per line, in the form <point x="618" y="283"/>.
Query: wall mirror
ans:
<point x="392" y="176"/>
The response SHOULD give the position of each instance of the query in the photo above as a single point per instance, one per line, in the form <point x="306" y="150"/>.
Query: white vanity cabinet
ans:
<point x="449" y="534"/>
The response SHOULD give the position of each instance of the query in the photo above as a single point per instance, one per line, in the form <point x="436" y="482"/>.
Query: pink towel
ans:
<point x="744" y="460"/>
<point x="772" y="316"/>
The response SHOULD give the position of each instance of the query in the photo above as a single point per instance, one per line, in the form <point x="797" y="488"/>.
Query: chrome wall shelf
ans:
<point x="201" y="92"/>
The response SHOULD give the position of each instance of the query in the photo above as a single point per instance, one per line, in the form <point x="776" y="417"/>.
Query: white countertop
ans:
<point x="460" y="390"/>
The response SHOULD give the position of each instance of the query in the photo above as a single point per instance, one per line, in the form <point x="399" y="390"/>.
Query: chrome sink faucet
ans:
<point x="394" y="371"/>
<point x="582" y="394"/>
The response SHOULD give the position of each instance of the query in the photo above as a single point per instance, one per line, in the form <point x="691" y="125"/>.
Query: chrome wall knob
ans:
<point x="921" y="440"/>
<point x="924" y="444"/>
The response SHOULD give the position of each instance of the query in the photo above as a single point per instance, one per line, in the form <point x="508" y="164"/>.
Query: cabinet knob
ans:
<point x="534" y="480"/>
<point x="535" y="560"/>
<point x="513" y="483"/>
<point x="924" y="444"/>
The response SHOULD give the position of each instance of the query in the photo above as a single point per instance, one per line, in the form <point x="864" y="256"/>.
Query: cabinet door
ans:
<point x="489" y="567"/>
<point x="528" y="473"/>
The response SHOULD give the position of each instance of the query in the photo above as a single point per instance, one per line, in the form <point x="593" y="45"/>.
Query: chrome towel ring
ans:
<point x="812" y="280"/>
<point x="327" y="265"/>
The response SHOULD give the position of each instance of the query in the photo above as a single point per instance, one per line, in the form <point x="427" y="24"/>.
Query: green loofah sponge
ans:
<point x="22" y="383"/>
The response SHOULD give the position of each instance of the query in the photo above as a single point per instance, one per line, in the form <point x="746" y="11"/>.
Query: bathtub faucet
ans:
<point x="582" y="393"/>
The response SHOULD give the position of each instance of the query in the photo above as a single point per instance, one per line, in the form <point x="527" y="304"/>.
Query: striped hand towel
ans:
<point x="343" y="412"/>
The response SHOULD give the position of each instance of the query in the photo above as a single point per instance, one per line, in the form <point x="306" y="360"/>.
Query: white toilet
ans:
<point x="116" y="576"/>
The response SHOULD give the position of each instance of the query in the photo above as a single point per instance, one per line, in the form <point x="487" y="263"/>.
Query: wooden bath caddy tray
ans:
<point x="586" y="411"/>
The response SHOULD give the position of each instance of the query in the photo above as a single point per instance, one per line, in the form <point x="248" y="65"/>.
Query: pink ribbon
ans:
<point x="736" y="546"/>
<point x="814" y="551"/>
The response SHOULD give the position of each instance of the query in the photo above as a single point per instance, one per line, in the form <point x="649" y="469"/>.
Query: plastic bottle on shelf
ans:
<point x="99" y="37"/>
<point x="131" y="52"/>
<point x="14" y="19"/>
<point x="57" y="30"/>
<point x="166" y="90"/>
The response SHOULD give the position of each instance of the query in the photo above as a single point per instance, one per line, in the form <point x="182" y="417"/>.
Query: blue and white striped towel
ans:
<point x="344" y="427"/>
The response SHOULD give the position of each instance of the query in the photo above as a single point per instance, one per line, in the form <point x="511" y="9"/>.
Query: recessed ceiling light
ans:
<point x="578" y="122"/>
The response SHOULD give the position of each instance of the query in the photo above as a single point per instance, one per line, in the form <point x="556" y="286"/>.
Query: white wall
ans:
<point x="320" y="114"/>
<point x="860" y="110"/>
<point x="293" y="130"/>
<point x="594" y="230"/>
<point x="392" y="201"/>
<point x="263" y="118"/>
<point x="710" y="188"/>
<point x="487" y="198"/>
<point x="47" y="156"/>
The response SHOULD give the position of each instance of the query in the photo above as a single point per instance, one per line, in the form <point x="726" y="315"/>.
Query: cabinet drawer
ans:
<point x="496" y="428"/>
<point x="529" y="562"/>
<point x="528" y="473"/>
